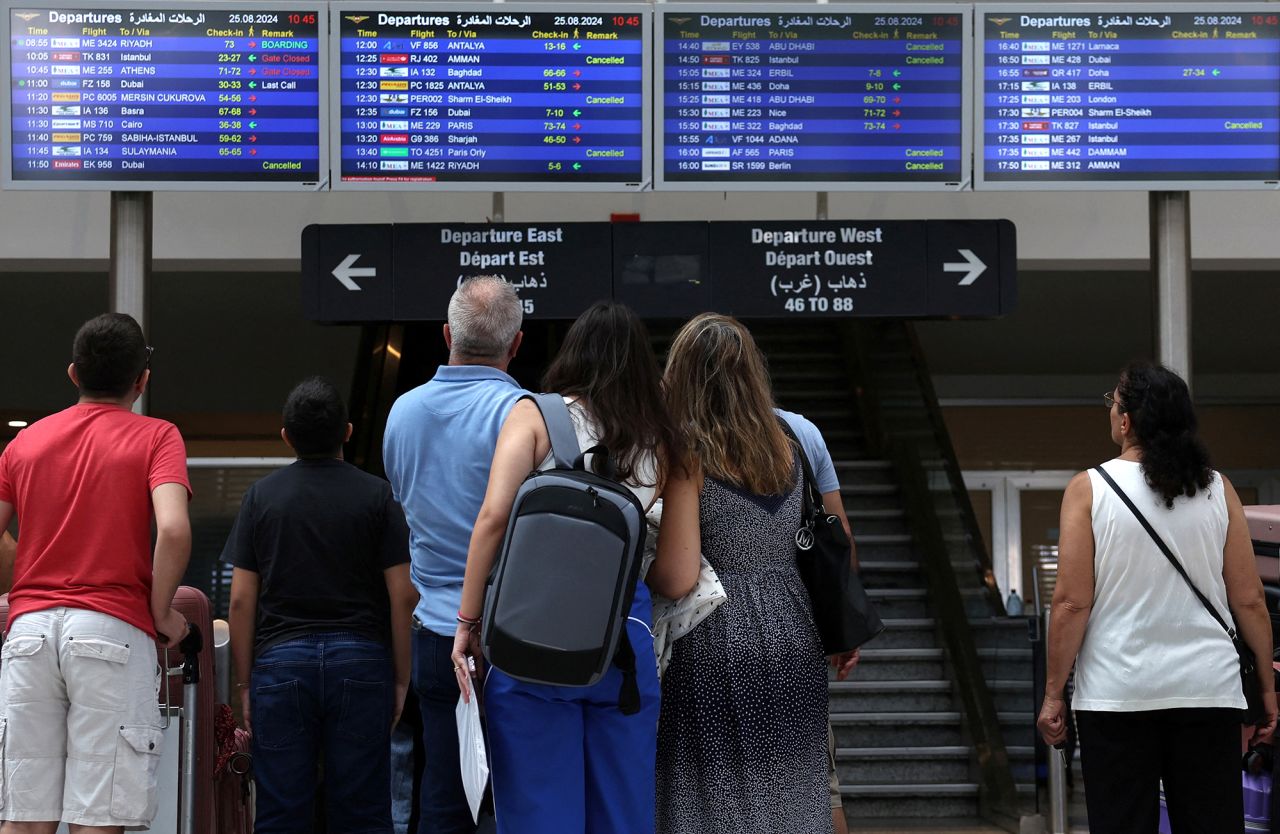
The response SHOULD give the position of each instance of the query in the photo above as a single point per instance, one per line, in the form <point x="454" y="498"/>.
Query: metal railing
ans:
<point x="905" y="426"/>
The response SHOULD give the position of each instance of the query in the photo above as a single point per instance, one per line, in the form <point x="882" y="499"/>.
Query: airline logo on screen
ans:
<point x="216" y="94"/>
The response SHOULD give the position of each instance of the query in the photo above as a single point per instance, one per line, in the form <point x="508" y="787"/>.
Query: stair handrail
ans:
<point x="998" y="800"/>
<point x="951" y="465"/>
<point x="997" y="797"/>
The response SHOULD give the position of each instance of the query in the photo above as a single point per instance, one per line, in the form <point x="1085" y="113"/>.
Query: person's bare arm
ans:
<point x="1249" y="605"/>
<point x="675" y="568"/>
<point x="1072" y="603"/>
<point x="8" y="554"/>
<point x="173" y="550"/>
<point x="242" y="618"/>
<point x="522" y="444"/>
<point x="403" y="597"/>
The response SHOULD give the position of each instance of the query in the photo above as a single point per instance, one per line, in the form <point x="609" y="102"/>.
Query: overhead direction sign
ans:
<point x="757" y="269"/>
<point x="346" y="273"/>
<point x="558" y="269"/>
<point x="900" y="268"/>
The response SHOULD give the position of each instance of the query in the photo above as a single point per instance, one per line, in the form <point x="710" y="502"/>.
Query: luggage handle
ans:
<point x="190" y="646"/>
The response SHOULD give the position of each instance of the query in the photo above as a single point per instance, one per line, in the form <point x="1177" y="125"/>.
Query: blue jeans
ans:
<point x="443" y="803"/>
<point x="323" y="697"/>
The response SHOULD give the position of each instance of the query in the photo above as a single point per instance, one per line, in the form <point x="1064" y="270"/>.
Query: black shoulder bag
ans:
<point x="1249" y="682"/>
<point x="842" y="611"/>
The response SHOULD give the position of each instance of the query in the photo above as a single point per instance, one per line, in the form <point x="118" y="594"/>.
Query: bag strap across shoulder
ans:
<point x="813" y="506"/>
<point x="1164" y="548"/>
<point x="564" y="439"/>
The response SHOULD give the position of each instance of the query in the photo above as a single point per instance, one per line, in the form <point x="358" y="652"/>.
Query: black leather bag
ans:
<point x="1249" y="683"/>
<point x="842" y="612"/>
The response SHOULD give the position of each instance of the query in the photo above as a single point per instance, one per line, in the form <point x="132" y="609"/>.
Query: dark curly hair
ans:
<point x="1174" y="459"/>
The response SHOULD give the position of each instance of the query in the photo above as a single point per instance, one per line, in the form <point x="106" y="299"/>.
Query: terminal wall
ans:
<point x="1052" y="226"/>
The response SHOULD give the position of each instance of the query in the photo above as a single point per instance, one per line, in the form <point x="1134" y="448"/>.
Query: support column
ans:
<point x="1171" y="267"/>
<point x="131" y="259"/>
<point x="499" y="207"/>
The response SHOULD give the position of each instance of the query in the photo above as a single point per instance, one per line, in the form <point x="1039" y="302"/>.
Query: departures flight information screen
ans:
<point x="838" y="95"/>
<point x="171" y="96"/>
<point x="1086" y="96"/>
<point x="510" y="94"/>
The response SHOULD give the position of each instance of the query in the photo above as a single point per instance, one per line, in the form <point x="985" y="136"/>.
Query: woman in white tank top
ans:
<point x="1157" y="686"/>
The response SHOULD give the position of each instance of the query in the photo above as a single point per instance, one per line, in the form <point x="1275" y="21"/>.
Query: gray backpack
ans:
<point x="561" y="591"/>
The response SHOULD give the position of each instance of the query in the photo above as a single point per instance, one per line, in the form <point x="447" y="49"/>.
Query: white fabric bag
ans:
<point x="674" y="618"/>
<point x="471" y="753"/>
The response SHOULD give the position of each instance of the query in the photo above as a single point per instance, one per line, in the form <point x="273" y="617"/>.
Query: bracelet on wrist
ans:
<point x="469" y="621"/>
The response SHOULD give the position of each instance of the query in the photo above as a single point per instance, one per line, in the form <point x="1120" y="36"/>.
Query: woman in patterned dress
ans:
<point x="742" y="739"/>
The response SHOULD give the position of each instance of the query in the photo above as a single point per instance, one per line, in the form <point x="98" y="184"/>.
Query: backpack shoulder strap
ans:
<point x="564" y="440"/>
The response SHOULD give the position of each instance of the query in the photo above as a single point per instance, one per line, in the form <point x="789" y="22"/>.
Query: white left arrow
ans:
<point x="972" y="267"/>
<point x="347" y="270"/>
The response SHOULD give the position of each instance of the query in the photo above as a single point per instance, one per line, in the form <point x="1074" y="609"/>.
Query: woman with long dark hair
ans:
<point x="742" y="744"/>
<point x="1157" y="687"/>
<point x="566" y="760"/>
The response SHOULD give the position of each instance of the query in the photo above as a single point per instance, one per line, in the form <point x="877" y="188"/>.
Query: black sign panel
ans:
<point x="559" y="269"/>
<point x="819" y="269"/>
<point x="766" y="269"/>
<point x="967" y="267"/>
<point x="346" y="273"/>
<point x="662" y="270"/>
<point x="893" y="268"/>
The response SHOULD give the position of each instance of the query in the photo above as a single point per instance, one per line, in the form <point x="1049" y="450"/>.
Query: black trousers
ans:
<point x="1125" y="755"/>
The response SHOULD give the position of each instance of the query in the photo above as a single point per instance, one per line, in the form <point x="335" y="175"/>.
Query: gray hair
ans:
<point x="485" y="314"/>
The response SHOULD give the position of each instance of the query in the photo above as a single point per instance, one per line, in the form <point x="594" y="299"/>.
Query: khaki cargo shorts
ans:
<point x="80" y="728"/>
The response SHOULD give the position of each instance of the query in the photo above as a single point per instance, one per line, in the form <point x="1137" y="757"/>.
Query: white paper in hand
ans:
<point x="471" y="753"/>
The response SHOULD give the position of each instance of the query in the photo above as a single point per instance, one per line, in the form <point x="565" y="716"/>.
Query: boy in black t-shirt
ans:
<point x="321" y="606"/>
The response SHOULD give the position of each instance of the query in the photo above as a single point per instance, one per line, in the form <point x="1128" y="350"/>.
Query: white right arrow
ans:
<point x="347" y="270"/>
<point x="972" y="267"/>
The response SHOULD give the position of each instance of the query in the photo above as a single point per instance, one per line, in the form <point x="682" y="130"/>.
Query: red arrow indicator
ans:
<point x="577" y="73"/>
<point x="253" y="44"/>
<point x="897" y="99"/>
<point x="252" y="71"/>
<point x="577" y="140"/>
<point x="897" y="126"/>
<point x="897" y="113"/>
<point x="253" y="98"/>
<point x="255" y="138"/>
<point x="577" y="126"/>
<point x="253" y="111"/>
<point x="253" y="152"/>
<point x="577" y="86"/>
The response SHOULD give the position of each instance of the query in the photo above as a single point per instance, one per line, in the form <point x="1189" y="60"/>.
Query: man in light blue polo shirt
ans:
<point x="437" y="449"/>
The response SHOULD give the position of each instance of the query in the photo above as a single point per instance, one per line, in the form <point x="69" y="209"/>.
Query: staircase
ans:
<point x="903" y="747"/>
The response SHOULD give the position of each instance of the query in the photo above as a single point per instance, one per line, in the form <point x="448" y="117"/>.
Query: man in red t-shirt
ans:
<point x="79" y="720"/>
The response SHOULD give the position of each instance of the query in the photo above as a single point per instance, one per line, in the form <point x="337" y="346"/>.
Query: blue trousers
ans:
<point x="565" y="760"/>
<point x="323" y="697"/>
